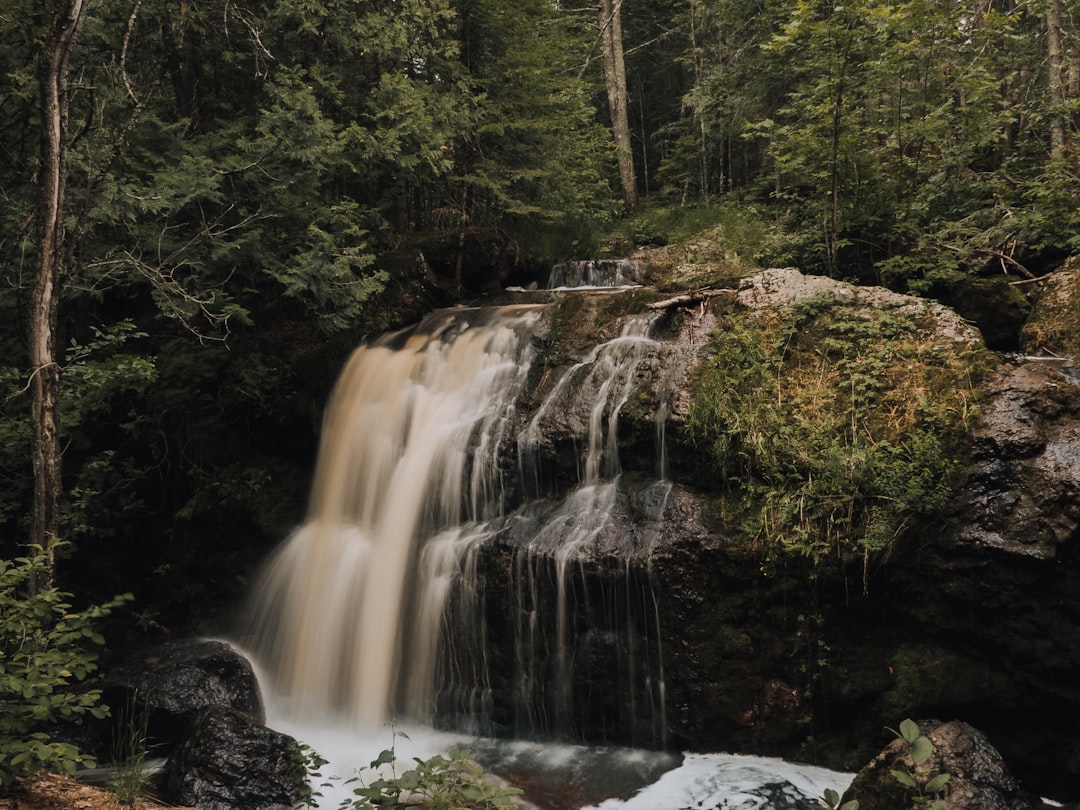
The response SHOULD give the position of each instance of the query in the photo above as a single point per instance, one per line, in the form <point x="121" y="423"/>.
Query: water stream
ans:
<point x="439" y="581"/>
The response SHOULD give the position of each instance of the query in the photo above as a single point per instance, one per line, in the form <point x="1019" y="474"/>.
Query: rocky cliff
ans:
<point x="813" y="591"/>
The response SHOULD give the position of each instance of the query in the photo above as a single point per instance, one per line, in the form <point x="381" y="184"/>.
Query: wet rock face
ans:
<point x="229" y="762"/>
<point x="976" y="616"/>
<point x="177" y="680"/>
<point x="1024" y="489"/>
<point x="979" y="778"/>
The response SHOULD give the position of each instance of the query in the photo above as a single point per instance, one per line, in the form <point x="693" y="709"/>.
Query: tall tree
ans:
<point x="535" y="160"/>
<point x="1056" y="79"/>
<point x="66" y="21"/>
<point x="611" y="39"/>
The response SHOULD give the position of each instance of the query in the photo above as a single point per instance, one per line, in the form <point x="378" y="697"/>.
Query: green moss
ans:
<point x="580" y="321"/>
<point x="832" y="428"/>
<point x="926" y="677"/>
<point x="1054" y="325"/>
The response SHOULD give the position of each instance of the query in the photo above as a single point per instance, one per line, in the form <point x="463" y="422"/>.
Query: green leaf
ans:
<point x="909" y="730"/>
<point x="921" y="750"/>
<point x="386" y="757"/>
<point x="937" y="783"/>
<point x="904" y="778"/>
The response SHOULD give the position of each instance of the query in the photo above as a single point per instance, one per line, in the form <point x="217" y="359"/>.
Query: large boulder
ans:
<point x="978" y="777"/>
<point x="177" y="680"/>
<point x="229" y="762"/>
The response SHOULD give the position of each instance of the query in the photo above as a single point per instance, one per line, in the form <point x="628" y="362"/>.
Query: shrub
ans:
<point x="438" y="783"/>
<point x="46" y="657"/>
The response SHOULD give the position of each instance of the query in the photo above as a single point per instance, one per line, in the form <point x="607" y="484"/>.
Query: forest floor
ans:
<point x="51" y="791"/>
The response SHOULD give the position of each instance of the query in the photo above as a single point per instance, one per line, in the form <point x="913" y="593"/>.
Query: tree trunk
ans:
<point x="44" y="368"/>
<point x="618" y="100"/>
<point x="1056" y="78"/>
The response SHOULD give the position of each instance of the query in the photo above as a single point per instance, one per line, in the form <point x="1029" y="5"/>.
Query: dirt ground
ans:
<point x="50" y="791"/>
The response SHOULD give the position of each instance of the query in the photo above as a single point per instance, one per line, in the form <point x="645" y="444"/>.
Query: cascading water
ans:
<point x="379" y="607"/>
<point x="594" y="273"/>
<point x="408" y="468"/>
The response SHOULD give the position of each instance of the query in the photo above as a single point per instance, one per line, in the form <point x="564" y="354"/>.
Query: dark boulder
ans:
<point x="978" y="776"/>
<point x="175" y="681"/>
<point x="227" y="761"/>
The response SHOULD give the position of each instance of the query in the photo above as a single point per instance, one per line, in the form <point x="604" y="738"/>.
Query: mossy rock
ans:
<point x="1054" y="325"/>
<point x="995" y="306"/>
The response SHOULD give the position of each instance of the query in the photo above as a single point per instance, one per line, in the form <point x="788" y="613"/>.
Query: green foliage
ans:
<point x="903" y="143"/>
<point x="925" y="783"/>
<point x="534" y="161"/>
<point x="438" y="783"/>
<point x="832" y="427"/>
<point x="831" y="801"/>
<point x="46" y="658"/>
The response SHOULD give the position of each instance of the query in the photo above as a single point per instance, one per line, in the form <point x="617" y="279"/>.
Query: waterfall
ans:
<point x="595" y="273"/>
<point x="389" y="602"/>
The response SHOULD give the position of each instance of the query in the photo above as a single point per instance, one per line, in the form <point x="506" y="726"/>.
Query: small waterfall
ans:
<point x="595" y="273"/>
<point x="417" y="591"/>
<point x="587" y="657"/>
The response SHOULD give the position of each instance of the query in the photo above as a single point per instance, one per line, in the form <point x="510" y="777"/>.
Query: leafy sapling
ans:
<point x="47" y="658"/>
<point x="926" y="784"/>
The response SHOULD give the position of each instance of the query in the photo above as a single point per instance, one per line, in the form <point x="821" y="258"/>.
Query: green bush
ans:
<point x="438" y="783"/>
<point x="46" y="657"/>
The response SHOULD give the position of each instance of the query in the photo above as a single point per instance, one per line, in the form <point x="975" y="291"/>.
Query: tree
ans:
<point x="66" y="21"/>
<point x="1056" y="81"/>
<point x="611" y="39"/>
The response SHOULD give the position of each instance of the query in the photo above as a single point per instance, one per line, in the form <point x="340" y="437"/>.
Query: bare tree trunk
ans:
<point x="978" y="13"/>
<point x="618" y="100"/>
<point x="44" y="369"/>
<point x="1056" y="78"/>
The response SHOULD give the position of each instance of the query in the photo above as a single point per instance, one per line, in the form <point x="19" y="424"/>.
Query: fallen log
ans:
<point x="689" y="299"/>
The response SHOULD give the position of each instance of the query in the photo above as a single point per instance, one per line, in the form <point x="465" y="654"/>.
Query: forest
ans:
<point x="207" y="204"/>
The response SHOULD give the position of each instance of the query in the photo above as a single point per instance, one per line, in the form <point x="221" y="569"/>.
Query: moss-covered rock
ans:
<point x="1054" y="325"/>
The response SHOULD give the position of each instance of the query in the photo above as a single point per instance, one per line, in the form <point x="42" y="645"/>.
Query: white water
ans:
<point x="594" y="274"/>
<point x="375" y="611"/>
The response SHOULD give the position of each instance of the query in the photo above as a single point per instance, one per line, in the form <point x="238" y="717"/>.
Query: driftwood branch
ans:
<point x="688" y="299"/>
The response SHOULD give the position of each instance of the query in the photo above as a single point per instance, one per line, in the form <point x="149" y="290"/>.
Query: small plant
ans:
<point x="923" y="781"/>
<point x="830" y="800"/>
<point x="45" y="658"/>
<point x="312" y="762"/>
<point x="439" y="783"/>
<point x="129" y="781"/>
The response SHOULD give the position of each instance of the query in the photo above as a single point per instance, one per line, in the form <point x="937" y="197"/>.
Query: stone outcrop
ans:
<point x="204" y="712"/>
<point x="175" y="681"/>
<point x="779" y="287"/>
<point x="1054" y="326"/>
<point x="1023" y="494"/>
<point x="978" y="779"/>
<point x="975" y="616"/>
